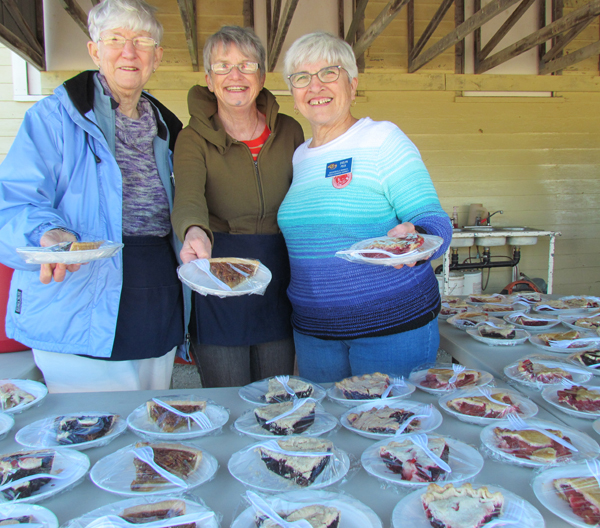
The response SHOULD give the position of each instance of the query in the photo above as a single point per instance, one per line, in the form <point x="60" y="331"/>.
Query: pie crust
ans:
<point x="532" y="445"/>
<point x="412" y="463"/>
<point x="583" y="496"/>
<point x="365" y="387"/>
<point x="588" y="322"/>
<point x="386" y="420"/>
<point x="233" y="271"/>
<point x="169" y="421"/>
<point x="539" y="373"/>
<point x="580" y="398"/>
<point x="504" y="332"/>
<point x="482" y="407"/>
<point x="157" y="511"/>
<point x="295" y="423"/>
<point x="438" y="378"/>
<point x="11" y="396"/>
<point x="560" y="336"/>
<point x="276" y="393"/>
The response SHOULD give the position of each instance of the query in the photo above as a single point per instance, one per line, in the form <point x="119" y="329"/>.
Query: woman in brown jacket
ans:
<point x="233" y="167"/>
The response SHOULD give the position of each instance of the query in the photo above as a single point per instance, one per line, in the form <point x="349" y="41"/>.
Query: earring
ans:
<point x="154" y="70"/>
<point x="296" y="111"/>
<point x="353" y="102"/>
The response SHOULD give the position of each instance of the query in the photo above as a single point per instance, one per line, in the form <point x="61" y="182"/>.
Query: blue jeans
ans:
<point x="323" y="360"/>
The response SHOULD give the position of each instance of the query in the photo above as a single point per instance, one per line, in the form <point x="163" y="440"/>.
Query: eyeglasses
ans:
<point x="139" y="43"/>
<point x="328" y="74"/>
<point x="223" y="68"/>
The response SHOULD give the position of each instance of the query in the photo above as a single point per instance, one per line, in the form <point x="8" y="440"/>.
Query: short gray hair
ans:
<point x="135" y="15"/>
<point x="316" y="47"/>
<point x="243" y="38"/>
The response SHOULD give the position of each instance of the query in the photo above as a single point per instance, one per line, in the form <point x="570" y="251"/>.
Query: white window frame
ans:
<point x="26" y="81"/>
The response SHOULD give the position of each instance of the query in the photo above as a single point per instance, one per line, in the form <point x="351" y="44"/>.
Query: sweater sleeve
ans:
<point x="409" y="189"/>
<point x="189" y="169"/>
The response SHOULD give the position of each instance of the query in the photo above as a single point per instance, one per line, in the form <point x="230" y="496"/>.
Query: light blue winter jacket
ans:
<point x="61" y="172"/>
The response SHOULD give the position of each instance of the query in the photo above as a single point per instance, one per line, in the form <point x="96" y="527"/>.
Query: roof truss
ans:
<point x="23" y="34"/>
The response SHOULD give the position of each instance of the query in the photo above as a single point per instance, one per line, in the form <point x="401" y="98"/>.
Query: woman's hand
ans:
<point x="56" y="271"/>
<point x="400" y="231"/>
<point x="195" y="246"/>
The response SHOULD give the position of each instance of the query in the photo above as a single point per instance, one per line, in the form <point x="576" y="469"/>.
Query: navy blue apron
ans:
<point x="248" y="319"/>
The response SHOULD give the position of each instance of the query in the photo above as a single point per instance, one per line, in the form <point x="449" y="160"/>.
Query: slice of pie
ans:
<point x="439" y="378"/>
<point x="532" y="444"/>
<point x="286" y="424"/>
<point x="22" y="519"/>
<point x="396" y="246"/>
<point x="386" y="420"/>
<point x="77" y="429"/>
<point x="548" y="338"/>
<point x="169" y="421"/>
<point x="580" y="398"/>
<point x="233" y="271"/>
<point x="157" y="511"/>
<point x="483" y="407"/>
<point x="540" y="373"/>
<point x="551" y="305"/>
<point x="493" y="332"/>
<point x="468" y="319"/>
<point x="461" y="507"/>
<point x="453" y="309"/>
<point x="296" y="464"/>
<point x="11" y="396"/>
<point x="487" y="298"/>
<point x="178" y="459"/>
<point x="492" y="308"/>
<point x="581" y="302"/>
<point x="412" y="463"/>
<point x="365" y="387"/>
<point x="589" y="358"/>
<point x="588" y="322"/>
<point x="317" y="515"/>
<point x="583" y="496"/>
<point x="15" y="466"/>
<point x="83" y="246"/>
<point x="276" y="392"/>
<point x="526" y="320"/>
<point x="453" y="300"/>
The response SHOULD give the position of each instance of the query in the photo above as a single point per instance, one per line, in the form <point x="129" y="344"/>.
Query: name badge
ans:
<point x="340" y="172"/>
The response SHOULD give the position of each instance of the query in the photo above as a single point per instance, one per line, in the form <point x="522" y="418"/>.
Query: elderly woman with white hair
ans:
<point x="354" y="179"/>
<point x="94" y="162"/>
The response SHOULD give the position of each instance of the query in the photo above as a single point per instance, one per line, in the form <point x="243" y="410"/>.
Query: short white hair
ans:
<point x="244" y="39"/>
<point x="135" y="15"/>
<point x="316" y="47"/>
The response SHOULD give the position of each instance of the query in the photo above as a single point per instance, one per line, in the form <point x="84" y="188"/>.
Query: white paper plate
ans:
<point x="586" y="446"/>
<point x="409" y="511"/>
<point x="587" y="297"/>
<point x="42" y="434"/>
<point x="594" y="343"/>
<point x="560" y="311"/>
<point x="458" y="323"/>
<point x="255" y="392"/>
<point x="200" y="282"/>
<point x="40" y="515"/>
<point x="527" y="407"/>
<point x="397" y="393"/>
<point x="36" y="389"/>
<point x="247" y="424"/>
<point x="116" y="472"/>
<point x="426" y="425"/>
<point x="464" y="460"/>
<point x="39" y="255"/>
<point x="569" y="321"/>
<point x="353" y="514"/>
<point x="575" y="358"/>
<point x="492" y="299"/>
<point x="430" y="244"/>
<point x="520" y="337"/>
<point x="116" y="508"/>
<point x="514" y="308"/>
<point x="579" y="374"/>
<point x="596" y="426"/>
<point x="550" y="394"/>
<point x="247" y="467"/>
<point x="553" y="321"/>
<point x="69" y="463"/>
<point x="419" y="376"/>
<point x="545" y="492"/>
<point x="6" y="424"/>
<point x="141" y="425"/>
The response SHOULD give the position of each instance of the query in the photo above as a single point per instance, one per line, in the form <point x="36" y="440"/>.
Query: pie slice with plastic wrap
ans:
<point x="233" y="271"/>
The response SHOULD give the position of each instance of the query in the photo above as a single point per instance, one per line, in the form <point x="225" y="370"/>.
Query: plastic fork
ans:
<point x="146" y="454"/>
<point x="421" y="441"/>
<point x="488" y="394"/>
<point x="261" y="505"/>
<point x="204" y="265"/>
<point x="199" y="417"/>
<point x="382" y="251"/>
<point x="568" y="384"/>
<point x="457" y="370"/>
<point x="511" y="514"/>
<point x="284" y="381"/>
<point x="426" y="413"/>
<point x="66" y="474"/>
<point x="518" y="423"/>
<point x="108" y="521"/>
<point x="594" y="467"/>
<point x="394" y="383"/>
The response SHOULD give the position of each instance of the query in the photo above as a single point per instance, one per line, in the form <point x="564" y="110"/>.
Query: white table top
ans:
<point x="19" y="365"/>
<point x="223" y="494"/>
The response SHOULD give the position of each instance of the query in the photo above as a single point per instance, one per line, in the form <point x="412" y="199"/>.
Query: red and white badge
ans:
<point x="339" y="182"/>
<point x="340" y="172"/>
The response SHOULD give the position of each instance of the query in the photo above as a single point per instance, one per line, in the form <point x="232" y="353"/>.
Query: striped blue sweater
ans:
<point x="336" y="299"/>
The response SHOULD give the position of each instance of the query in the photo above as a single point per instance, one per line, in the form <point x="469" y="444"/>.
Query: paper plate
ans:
<point x="6" y="424"/>
<point x="520" y="337"/>
<point x="480" y="318"/>
<point x="397" y="393"/>
<point x="36" y="389"/>
<point x="594" y="342"/>
<point x="550" y="394"/>
<point x="417" y="377"/>
<point x="570" y="320"/>
<point x="55" y="254"/>
<point x="594" y="368"/>
<point x="552" y="321"/>
<point x="579" y="374"/>
<point x="40" y="515"/>
<point x="255" y="392"/>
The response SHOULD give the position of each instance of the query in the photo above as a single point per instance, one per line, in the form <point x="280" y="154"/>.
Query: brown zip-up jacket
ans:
<point x="217" y="185"/>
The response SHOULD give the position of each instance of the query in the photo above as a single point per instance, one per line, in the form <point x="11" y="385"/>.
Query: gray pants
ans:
<point x="236" y="366"/>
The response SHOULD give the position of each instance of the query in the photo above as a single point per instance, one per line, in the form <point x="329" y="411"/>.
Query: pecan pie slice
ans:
<point x="233" y="271"/>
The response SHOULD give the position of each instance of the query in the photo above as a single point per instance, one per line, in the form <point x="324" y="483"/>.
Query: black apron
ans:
<point x="248" y="319"/>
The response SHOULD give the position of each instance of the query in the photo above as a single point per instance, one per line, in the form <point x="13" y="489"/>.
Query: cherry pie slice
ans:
<point x="532" y="444"/>
<point x="439" y="378"/>
<point x="580" y="398"/>
<point x="531" y="321"/>
<point x="583" y="496"/>
<point x="591" y="323"/>
<point x="483" y="407"/>
<point x="547" y="339"/>
<point x="317" y="515"/>
<point x="396" y="246"/>
<point x="492" y="332"/>
<point x="412" y="463"/>
<point x="461" y="507"/>
<point x="537" y="372"/>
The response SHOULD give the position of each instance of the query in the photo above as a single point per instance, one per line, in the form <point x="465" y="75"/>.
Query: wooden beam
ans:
<point x="340" y="19"/>
<point x="248" y="13"/>
<point x="514" y="17"/>
<point x="565" y="39"/>
<point x="410" y="26"/>
<point x="269" y="7"/>
<point x="570" y="59"/>
<point x="21" y="48"/>
<point x="359" y="14"/>
<point x="77" y="14"/>
<point x="468" y="26"/>
<point x="287" y="15"/>
<point x="431" y="27"/>
<point x="552" y="30"/>
<point x="22" y="25"/>
<point x="459" y="47"/>
<point x="541" y="24"/>
<point x="187" y="9"/>
<point x="95" y="2"/>
<point x="382" y="21"/>
<point x="275" y="15"/>
<point x="476" y="36"/>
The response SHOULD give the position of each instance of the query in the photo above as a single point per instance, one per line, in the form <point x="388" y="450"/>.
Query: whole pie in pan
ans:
<point x="317" y="515"/>
<point x="540" y="373"/>
<point x="365" y="387"/>
<point x="439" y="378"/>
<point x="483" y="407"/>
<point x="396" y="246"/>
<point x="157" y="511"/>
<point x="583" y="496"/>
<point x="532" y="444"/>
<point x="461" y="507"/>
<point x="233" y="271"/>
<point x="412" y="463"/>
<point x="580" y="398"/>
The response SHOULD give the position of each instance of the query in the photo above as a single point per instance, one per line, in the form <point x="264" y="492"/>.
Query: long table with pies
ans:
<point x="224" y="493"/>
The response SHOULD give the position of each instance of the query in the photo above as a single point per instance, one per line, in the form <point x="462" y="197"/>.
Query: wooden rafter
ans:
<point x="187" y="9"/>
<point x="410" y="26"/>
<point x="77" y="14"/>
<point x="21" y="48"/>
<point x="382" y="21"/>
<point x="340" y="19"/>
<point x="571" y="58"/>
<point x="283" y="24"/>
<point x="564" y="40"/>
<point x="459" y="47"/>
<point x="274" y="13"/>
<point x="468" y="26"/>
<point x="552" y="30"/>
<point x="430" y="29"/>
<point x="248" y="13"/>
<point x="359" y="15"/>
<point x="22" y="25"/>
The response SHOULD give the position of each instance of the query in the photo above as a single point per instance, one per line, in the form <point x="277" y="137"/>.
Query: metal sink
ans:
<point x="462" y="241"/>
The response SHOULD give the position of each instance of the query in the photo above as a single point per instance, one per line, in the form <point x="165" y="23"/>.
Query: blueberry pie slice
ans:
<point x="286" y="424"/>
<point x="15" y="466"/>
<point x="276" y="393"/>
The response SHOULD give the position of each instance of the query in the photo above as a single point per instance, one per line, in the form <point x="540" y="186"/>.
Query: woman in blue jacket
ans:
<point x="93" y="162"/>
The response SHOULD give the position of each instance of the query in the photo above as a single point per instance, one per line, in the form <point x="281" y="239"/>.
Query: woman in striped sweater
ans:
<point x="355" y="179"/>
